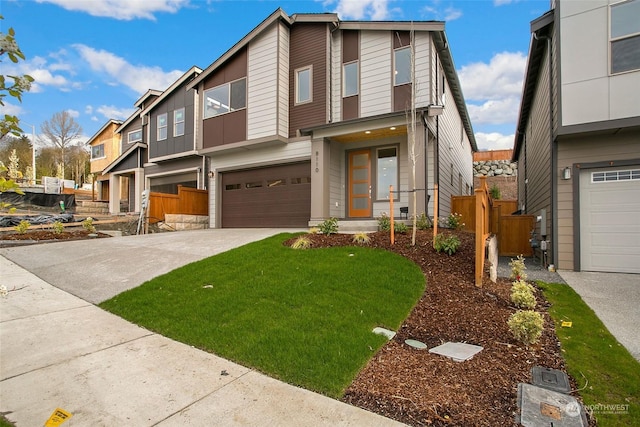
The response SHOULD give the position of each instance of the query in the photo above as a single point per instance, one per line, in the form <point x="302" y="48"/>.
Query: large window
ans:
<point x="350" y="79"/>
<point x="387" y="171"/>
<point x="97" y="151"/>
<point x="134" y="136"/>
<point x="226" y="98"/>
<point x="178" y="122"/>
<point x="625" y="36"/>
<point x="303" y="85"/>
<point x="402" y="66"/>
<point x="162" y="126"/>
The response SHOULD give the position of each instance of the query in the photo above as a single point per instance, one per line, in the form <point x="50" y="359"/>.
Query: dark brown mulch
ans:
<point x="40" y="236"/>
<point x="420" y="388"/>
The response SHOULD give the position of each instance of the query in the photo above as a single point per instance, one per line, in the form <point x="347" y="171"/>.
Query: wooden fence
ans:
<point x="188" y="201"/>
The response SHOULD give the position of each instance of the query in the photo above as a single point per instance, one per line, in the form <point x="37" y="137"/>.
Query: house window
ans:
<point x="402" y="66"/>
<point x="135" y="136"/>
<point x="226" y="98"/>
<point x="162" y="127"/>
<point x="178" y="122"/>
<point x="303" y="85"/>
<point x="97" y="151"/>
<point x="350" y="79"/>
<point x="387" y="171"/>
<point x="625" y="36"/>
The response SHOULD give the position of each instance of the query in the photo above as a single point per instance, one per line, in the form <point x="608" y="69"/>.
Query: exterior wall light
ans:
<point x="566" y="173"/>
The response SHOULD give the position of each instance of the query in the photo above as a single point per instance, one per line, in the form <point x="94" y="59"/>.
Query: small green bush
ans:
<point x="384" y="223"/>
<point x="523" y="298"/>
<point x="454" y="221"/>
<point x="57" y="227"/>
<point x="302" y="242"/>
<point x="518" y="268"/>
<point x="23" y="226"/>
<point x="494" y="192"/>
<point x="521" y="285"/>
<point x="87" y="224"/>
<point x="447" y="243"/>
<point x="361" y="238"/>
<point x="400" y="227"/>
<point x="526" y="326"/>
<point x="329" y="226"/>
<point x="423" y="222"/>
<point x="314" y="230"/>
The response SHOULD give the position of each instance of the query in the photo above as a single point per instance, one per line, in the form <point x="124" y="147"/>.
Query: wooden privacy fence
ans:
<point x="188" y="201"/>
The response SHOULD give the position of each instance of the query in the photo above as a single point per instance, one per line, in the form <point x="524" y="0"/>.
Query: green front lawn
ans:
<point x="609" y="377"/>
<point x="302" y="316"/>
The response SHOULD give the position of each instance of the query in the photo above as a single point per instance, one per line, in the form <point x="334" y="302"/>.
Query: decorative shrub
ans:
<point x="329" y="226"/>
<point x="361" y="238"/>
<point x="523" y="298"/>
<point x="494" y="192"/>
<point x="87" y="224"/>
<point x="423" y="222"/>
<point x="518" y="268"/>
<point x="384" y="223"/>
<point x="454" y="221"/>
<point x="57" y="227"/>
<point x="447" y="243"/>
<point x="526" y="326"/>
<point x="22" y="227"/>
<point x="302" y="242"/>
<point x="521" y="285"/>
<point x="314" y="230"/>
<point x="400" y="227"/>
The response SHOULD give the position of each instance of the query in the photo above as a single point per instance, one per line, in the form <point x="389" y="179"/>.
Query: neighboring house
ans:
<point x="105" y="148"/>
<point x="307" y="118"/>
<point x="158" y="146"/>
<point x="578" y="138"/>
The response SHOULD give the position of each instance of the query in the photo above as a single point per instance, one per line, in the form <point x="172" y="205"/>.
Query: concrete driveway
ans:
<point x="615" y="298"/>
<point x="96" y="270"/>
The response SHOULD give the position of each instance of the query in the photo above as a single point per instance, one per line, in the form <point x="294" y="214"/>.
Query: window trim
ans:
<point x="230" y="110"/>
<point x="129" y="141"/>
<point x="613" y="39"/>
<point x="159" y="128"/>
<point x="377" y="172"/>
<point x="344" y="78"/>
<point x="297" y="72"/>
<point x="176" y="123"/>
<point x="395" y="51"/>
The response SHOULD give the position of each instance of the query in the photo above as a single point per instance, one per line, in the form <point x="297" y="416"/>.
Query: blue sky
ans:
<point x="95" y="58"/>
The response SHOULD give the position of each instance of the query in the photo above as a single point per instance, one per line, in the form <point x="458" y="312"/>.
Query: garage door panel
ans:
<point x="277" y="196"/>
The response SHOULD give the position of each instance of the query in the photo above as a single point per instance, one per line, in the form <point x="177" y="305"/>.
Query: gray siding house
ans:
<point x="578" y="138"/>
<point x="308" y="117"/>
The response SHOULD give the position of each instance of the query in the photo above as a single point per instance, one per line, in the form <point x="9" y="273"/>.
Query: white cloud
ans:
<point x="138" y="78"/>
<point x="124" y="10"/>
<point x="495" y="111"/>
<point x="12" y="109"/>
<point x="376" y="10"/>
<point x="88" y="109"/>
<point x="439" y="13"/>
<point x="503" y="2"/>
<point x="502" y="76"/>
<point x="74" y="113"/>
<point x="113" y="112"/>
<point x="494" y="141"/>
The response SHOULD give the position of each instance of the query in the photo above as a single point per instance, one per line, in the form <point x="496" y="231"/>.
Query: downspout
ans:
<point x="436" y="154"/>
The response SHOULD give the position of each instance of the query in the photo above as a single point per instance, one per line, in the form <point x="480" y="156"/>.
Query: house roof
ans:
<point x="540" y="30"/>
<point x="131" y="118"/>
<point x="102" y="129"/>
<point x="149" y="93"/>
<point x="185" y="77"/>
<point x="123" y="156"/>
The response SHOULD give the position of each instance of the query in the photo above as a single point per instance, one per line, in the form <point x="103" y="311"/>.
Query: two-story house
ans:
<point x="105" y="148"/>
<point x="578" y="137"/>
<point x="309" y="117"/>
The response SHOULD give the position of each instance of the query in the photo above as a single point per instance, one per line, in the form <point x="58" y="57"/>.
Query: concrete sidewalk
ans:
<point x="59" y="351"/>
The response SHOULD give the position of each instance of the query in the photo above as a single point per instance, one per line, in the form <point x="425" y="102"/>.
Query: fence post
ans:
<point x="393" y="236"/>
<point x="481" y="212"/>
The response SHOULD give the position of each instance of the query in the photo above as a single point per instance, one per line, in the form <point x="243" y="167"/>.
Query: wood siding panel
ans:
<point x="309" y="47"/>
<point x="336" y="77"/>
<point x="423" y="76"/>
<point x="375" y="73"/>
<point x="262" y="84"/>
<point x="284" y="86"/>
<point x="350" y="107"/>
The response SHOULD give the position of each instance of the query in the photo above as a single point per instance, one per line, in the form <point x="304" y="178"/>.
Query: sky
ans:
<point x="95" y="58"/>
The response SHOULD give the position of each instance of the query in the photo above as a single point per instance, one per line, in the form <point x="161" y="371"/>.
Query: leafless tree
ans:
<point x="60" y="132"/>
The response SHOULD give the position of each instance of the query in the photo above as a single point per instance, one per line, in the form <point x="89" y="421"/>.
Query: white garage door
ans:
<point x="610" y="220"/>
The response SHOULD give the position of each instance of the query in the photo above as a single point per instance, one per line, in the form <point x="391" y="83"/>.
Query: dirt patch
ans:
<point x="420" y="388"/>
<point x="41" y="236"/>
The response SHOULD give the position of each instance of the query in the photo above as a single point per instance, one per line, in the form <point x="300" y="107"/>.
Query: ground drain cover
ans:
<point x="386" y="332"/>
<point x="552" y="379"/>
<point x="543" y="407"/>
<point x="458" y="351"/>
<point x="416" y="344"/>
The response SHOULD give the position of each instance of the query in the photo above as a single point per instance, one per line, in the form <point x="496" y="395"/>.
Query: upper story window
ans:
<point x="625" y="36"/>
<point x="303" y="85"/>
<point x="178" y="122"/>
<point x="350" y="74"/>
<point x="162" y="126"/>
<point x="402" y="66"/>
<point x="225" y="98"/>
<point x="134" y="136"/>
<point x="97" y="151"/>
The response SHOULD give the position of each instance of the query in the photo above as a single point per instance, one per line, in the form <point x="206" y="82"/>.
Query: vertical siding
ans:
<point x="336" y="77"/>
<point x="262" y="90"/>
<point x="422" y="64"/>
<point x="284" y="86"/>
<point x="375" y="72"/>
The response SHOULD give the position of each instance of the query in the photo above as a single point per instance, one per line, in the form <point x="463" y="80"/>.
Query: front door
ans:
<point x="360" y="184"/>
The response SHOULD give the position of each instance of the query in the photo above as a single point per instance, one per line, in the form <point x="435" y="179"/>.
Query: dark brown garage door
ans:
<point x="275" y="196"/>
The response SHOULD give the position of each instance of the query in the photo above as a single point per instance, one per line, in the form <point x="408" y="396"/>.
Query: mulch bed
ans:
<point x="424" y="389"/>
<point x="41" y="236"/>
